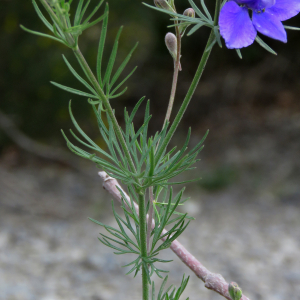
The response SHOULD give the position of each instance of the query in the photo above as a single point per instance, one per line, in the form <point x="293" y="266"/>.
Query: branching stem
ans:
<point x="84" y="65"/>
<point x="106" y="103"/>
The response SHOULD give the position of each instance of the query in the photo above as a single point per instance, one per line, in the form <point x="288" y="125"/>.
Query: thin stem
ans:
<point x="106" y="103"/>
<point x="175" y="76"/>
<point x="143" y="240"/>
<point x="193" y="85"/>
<point x="149" y="225"/>
<point x="62" y="23"/>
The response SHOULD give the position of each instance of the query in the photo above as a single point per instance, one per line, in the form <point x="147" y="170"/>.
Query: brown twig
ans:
<point x="212" y="281"/>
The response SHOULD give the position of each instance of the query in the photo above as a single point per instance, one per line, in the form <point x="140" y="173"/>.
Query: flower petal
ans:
<point x="285" y="9"/>
<point x="247" y="2"/>
<point x="269" y="25"/>
<point x="236" y="26"/>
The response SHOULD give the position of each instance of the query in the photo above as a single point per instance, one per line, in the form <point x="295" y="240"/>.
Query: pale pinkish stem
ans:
<point x="212" y="281"/>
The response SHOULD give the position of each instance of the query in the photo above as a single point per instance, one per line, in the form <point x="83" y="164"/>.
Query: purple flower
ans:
<point x="239" y="30"/>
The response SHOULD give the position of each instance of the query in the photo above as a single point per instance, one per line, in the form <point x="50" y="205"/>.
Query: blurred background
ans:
<point x="246" y="206"/>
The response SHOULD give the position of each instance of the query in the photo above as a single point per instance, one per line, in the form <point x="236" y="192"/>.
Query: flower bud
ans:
<point x="171" y="43"/>
<point x="234" y="291"/>
<point x="189" y="12"/>
<point x="163" y="4"/>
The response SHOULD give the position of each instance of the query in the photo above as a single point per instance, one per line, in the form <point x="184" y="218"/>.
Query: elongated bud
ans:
<point x="234" y="291"/>
<point x="164" y="4"/>
<point x="171" y="43"/>
<point x="189" y="12"/>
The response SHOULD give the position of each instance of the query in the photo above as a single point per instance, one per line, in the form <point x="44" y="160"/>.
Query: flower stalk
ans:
<point x="194" y="83"/>
<point x="177" y="67"/>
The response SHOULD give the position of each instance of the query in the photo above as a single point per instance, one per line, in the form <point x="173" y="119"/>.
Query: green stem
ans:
<point x="106" y="103"/>
<point x="143" y="240"/>
<point x="193" y="85"/>
<point x="150" y="216"/>
<point x="60" y="20"/>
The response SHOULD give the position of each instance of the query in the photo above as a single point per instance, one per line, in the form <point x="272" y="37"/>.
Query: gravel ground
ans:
<point x="246" y="228"/>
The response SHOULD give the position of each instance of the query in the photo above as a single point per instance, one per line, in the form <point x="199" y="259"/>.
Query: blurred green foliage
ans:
<point x="28" y="63"/>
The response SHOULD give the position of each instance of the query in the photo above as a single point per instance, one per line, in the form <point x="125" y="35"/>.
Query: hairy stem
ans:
<point x="193" y="85"/>
<point x="143" y="240"/>
<point x="175" y="76"/>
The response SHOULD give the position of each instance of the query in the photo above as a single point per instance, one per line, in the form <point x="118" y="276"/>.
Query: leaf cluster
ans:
<point x="171" y="292"/>
<point x="149" y="168"/>
<point x="121" y="238"/>
<point x="61" y="28"/>
<point x="166" y="215"/>
<point x="109" y="82"/>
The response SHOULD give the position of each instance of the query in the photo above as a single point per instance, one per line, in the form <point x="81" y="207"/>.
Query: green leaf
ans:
<point x="153" y="291"/>
<point x="42" y="16"/>
<point x="179" y="16"/>
<point x="195" y="28"/>
<point x="112" y="59"/>
<point x="206" y="10"/>
<point x="93" y="12"/>
<point x="291" y="27"/>
<point x="83" y="11"/>
<point x="162" y="288"/>
<point x="217" y="35"/>
<point x="238" y="51"/>
<point x="101" y="46"/>
<point x="211" y="45"/>
<point x="78" y="13"/>
<point x="88" y="25"/>
<point x="91" y="142"/>
<point x="139" y="131"/>
<point x="43" y="35"/>
<point x="122" y="66"/>
<point x="79" y="78"/>
<point x="121" y="83"/>
<point x="197" y="10"/>
<point x="91" y="147"/>
<point x="71" y="90"/>
<point x="117" y="95"/>
<point x="264" y="45"/>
